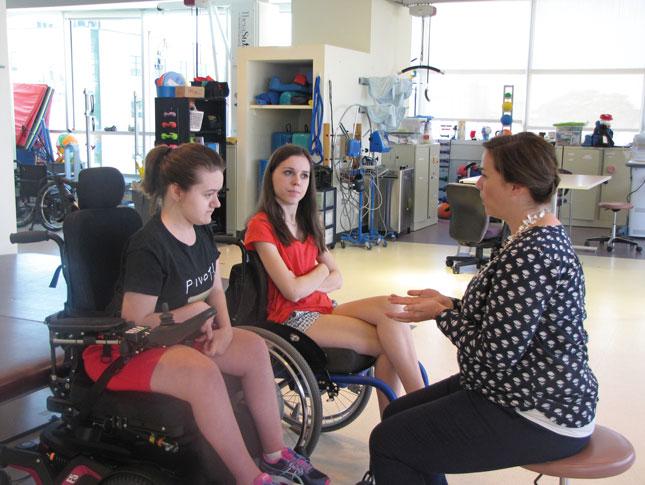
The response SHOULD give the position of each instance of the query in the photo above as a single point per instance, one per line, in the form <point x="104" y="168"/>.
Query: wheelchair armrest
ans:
<point x="73" y="325"/>
<point x="312" y="353"/>
<point x="221" y="239"/>
<point x="58" y="405"/>
<point x="165" y="335"/>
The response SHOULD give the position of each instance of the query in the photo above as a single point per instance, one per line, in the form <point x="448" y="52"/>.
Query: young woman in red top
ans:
<point x="287" y="236"/>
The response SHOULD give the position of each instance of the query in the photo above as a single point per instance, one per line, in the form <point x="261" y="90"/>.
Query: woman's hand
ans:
<point x="219" y="341"/>
<point x="418" y="308"/>
<point x="430" y="293"/>
<point x="207" y="331"/>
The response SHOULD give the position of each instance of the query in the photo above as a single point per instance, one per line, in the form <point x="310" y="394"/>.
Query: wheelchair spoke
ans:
<point x="299" y="397"/>
<point x="344" y="407"/>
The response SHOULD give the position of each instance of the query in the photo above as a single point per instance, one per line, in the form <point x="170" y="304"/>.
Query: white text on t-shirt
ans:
<point x="201" y="279"/>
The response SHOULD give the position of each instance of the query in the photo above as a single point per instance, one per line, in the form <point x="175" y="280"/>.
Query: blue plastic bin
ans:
<point x="165" y="91"/>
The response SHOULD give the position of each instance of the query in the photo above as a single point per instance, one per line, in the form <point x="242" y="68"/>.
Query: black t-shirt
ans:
<point x="157" y="263"/>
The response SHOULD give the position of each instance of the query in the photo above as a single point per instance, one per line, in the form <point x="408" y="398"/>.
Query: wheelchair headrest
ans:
<point x="100" y="188"/>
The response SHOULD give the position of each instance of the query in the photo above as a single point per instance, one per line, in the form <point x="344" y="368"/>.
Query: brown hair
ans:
<point x="165" y="166"/>
<point x="528" y="160"/>
<point x="307" y="212"/>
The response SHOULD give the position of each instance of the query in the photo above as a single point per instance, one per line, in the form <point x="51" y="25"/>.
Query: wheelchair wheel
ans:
<point x="126" y="478"/>
<point x="345" y="407"/>
<point x="5" y="479"/>
<point x="24" y="211"/>
<point x="135" y="476"/>
<point x="300" y="403"/>
<point x="51" y="207"/>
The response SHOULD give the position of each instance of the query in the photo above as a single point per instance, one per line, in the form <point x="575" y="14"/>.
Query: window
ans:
<point x="37" y="53"/>
<point x="586" y="59"/>
<point x="115" y="55"/>
<point x="589" y="34"/>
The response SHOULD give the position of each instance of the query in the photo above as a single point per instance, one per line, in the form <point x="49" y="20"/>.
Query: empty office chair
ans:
<point x="469" y="226"/>
<point x="611" y="240"/>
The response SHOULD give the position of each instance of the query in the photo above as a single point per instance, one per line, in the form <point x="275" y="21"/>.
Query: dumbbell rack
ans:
<point x="172" y="127"/>
<point x="212" y="130"/>
<point x="168" y="111"/>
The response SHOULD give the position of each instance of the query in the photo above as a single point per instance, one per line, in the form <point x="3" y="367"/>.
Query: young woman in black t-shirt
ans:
<point x="173" y="260"/>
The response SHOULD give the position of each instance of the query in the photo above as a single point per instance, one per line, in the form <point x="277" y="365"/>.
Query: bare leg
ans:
<point x="348" y="332"/>
<point x="187" y="374"/>
<point x="384" y="370"/>
<point x="394" y="337"/>
<point x="247" y="357"/>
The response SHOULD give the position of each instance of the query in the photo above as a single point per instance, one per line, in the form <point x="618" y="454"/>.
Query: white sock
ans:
<point x="273" y="457"/>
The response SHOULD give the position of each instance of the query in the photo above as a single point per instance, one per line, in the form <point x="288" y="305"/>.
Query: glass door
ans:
<point x="106" y="64"/>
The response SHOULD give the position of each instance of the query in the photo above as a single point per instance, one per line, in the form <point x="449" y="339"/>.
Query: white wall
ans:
<point x="7" y="142"/>
<point x="391" y="34"/>
<point x="379" y="27"/>
<point x="336" y="22"/>
<point x="374" y="26"/>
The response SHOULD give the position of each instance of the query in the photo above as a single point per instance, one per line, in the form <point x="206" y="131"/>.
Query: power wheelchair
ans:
<point x="138" y="438"/>
<point x="110" y="437"/>
<point x="338" y="383"/>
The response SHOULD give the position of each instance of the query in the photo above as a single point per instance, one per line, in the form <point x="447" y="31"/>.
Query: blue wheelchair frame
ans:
<point x="366" y="380"/>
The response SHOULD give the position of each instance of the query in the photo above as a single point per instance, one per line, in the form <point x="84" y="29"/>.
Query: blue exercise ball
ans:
<point x="506" y="120"/>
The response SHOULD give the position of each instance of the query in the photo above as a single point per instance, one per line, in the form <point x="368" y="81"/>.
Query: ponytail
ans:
<point x="152" y="180"/>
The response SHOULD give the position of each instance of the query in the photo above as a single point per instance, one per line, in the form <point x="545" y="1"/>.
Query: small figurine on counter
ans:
<point x="603" y="135"/>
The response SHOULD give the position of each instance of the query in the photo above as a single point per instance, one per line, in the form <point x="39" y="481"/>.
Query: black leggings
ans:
<point x="446" y="429"/>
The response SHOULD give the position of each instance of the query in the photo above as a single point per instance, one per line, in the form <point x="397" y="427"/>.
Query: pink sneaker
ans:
<point x="294" y="467"/>
<point x="263" y="479"/>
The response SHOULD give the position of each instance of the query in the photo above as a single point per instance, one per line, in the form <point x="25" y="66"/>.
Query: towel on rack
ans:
<point x="389" y="89"/>
<point x="385" y="116"/>
<point x="390" y="93"/>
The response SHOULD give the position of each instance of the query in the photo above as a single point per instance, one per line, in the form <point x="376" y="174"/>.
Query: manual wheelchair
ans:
<point x="103" y="436"/>
<point x="334" y="384"/>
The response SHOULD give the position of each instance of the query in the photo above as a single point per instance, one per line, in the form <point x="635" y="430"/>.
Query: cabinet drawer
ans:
<point x="616" y="190"/>
<point x="582" y="203"/>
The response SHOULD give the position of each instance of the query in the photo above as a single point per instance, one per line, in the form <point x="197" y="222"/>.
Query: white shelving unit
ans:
<point x="280" y="107"/>
<point x="256" y="123"/>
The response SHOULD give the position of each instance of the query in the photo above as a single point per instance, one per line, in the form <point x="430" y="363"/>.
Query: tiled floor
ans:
<point x="615" y="323"/>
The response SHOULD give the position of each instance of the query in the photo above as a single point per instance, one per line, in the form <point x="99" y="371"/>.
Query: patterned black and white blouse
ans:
<point x="519" y="330"/>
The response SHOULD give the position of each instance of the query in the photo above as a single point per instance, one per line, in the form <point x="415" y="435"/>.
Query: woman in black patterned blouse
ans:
<point x="525" y="392"/>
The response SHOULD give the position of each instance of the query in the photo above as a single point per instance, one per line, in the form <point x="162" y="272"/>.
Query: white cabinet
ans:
<point x="425" y="161"/>
<point x="615" y="164"/>
<point x="584" y="203"/>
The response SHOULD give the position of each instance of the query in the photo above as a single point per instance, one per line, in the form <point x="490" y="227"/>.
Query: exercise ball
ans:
<point x="507" y="106"/>
<point x="443" y="211"/>
<point x="506" y="120"/>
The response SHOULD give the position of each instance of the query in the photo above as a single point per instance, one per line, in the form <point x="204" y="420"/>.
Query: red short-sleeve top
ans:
<point x="300" y="258"/>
